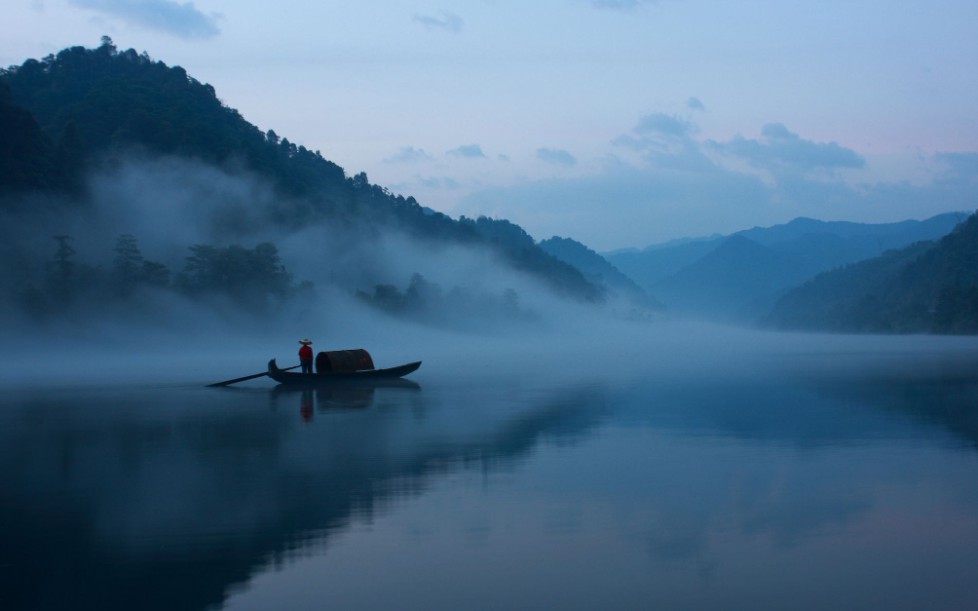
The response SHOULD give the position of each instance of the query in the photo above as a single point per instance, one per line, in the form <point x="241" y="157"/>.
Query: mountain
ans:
<point x="886" y="236"/>
<point x="650" y="266"/>
<point x="731" y="281"/>
<point x="598" y="270"/>
<point x="739" y="277"/>
<point x="929" y="286"/>
<point x="84" y="110"/>
<point x="28" y="159"/>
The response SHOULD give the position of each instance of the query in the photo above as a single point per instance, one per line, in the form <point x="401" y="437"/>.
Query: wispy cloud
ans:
<point x="557" y="157"/>
<point x="468" y="151"/>
<point x="666" y="141"/>
<point x="408" y="154"/>
<point x="670" y="183"/>
<point x="694" y="103"/>
<point x="439" y="182"/>
<point x="663" y="125"/>
<point x="183" y="20"/>
<point x="779" y="147"/>
<point x="450" y="22"/>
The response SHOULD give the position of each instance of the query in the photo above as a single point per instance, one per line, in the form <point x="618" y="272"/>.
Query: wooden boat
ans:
<point x="340" y="377"/>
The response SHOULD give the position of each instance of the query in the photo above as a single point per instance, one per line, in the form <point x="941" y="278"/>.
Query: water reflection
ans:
<point x="339" y="396"/>
<point x="713" y="485"/>
<point x="167" y="498"/>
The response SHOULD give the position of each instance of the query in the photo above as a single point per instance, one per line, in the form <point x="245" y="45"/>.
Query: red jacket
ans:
<point x="305" y="353"/>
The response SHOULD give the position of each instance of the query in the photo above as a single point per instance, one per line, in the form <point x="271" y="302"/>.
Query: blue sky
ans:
<point x="616" y="122"/>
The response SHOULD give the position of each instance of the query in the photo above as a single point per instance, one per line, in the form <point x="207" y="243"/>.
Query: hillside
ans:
<point x="89" y="111"/>
<point x="925" y="287"/>
<point x="598" y="270"/>
<point x="739" y="277"/>
<point x="652" y="265"/>
<point x="731" y="282"/>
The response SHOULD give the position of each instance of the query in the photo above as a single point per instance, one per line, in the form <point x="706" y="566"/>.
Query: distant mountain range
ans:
<point x="927" y="287"/>
<point x="739" y="277"/>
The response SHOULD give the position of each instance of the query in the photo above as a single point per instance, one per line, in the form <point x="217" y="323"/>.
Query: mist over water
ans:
<point x="169" y="204"/>
<point x="686" y="465"/>
<point x="572" y="456"/>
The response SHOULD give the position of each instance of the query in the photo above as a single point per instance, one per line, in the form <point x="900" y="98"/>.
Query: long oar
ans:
<point x="251" y="377"/>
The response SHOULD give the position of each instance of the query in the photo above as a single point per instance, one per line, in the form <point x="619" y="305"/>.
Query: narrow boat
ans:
<point x="323" y="378"/>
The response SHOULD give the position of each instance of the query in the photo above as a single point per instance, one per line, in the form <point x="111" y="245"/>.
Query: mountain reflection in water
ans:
<point x="800" y="483"/>
<point x="165" y="498"/>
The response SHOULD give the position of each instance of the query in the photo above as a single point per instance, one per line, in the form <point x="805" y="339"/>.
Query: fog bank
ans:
<point x="471" y="314"/>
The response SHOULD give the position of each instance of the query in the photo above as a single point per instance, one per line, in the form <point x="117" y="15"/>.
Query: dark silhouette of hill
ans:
<point x="598" y="270"/>
<point x="83" y="108"/>
<point x="740" y="277"/>
<point x="926" y="287"/>
<point x="28" y="159"/>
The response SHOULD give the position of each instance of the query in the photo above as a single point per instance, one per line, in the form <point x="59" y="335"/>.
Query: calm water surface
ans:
<point x="826" y="481"/>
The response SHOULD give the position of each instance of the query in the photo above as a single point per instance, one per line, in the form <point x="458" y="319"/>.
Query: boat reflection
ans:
<point x="339" y="396"/>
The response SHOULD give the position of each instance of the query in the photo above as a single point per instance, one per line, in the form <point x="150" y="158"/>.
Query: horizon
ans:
<point x="580" y="125"/>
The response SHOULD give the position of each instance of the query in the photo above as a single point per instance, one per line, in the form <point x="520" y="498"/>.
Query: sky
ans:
<point x="619" y="123"/>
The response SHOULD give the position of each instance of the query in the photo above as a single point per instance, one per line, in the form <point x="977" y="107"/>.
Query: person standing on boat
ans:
<point x="305" y="355"/>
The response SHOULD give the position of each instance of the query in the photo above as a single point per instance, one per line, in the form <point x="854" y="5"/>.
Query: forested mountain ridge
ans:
<point x="598" y="270"/>
<point x="928" y="287"/>
<point x="740" y="276"/>
<point x="27" y="158"/>
<point x="80" y="110"/>
<point x="91" y="101"/>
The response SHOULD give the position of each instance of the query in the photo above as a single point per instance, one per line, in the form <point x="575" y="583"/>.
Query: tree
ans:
<point x="155" y="274"/>
<point x="360" y="181"/>
<point x="71" y="154"/>
<point x="128" y="264"/>
<point x="107" y="46"/>
<point x="252" y="277"/>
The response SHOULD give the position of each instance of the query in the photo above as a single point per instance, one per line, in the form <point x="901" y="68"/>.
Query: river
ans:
<point x="827" y="476"/>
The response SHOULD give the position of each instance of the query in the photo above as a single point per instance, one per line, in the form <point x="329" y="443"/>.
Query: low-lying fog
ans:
<point x="573" y="343"/>
<point x="162" y="337"/>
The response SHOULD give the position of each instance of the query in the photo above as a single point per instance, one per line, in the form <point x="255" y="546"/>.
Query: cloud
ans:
<point x="694" y="103"/>
<point x="183" y="20"/>
<point x="666" y="141"/>
<point x="666" y="183"/>
<point x="779" y="148"/>
<point x="959" y="170"/>
<point x="650" y="203"/>
<point x="964" y="164"/>
<point x="469" y="151"/>
<point x="408" y="154"/>
<point x="427" y="182"/>
<point x="450" y="22"/>
<point x="439" y="182"/>
<point x="664" y="125"/>
<point x="556" y="157"/>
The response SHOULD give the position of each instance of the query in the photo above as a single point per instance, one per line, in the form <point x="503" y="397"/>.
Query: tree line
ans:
<point x="254" y="279"/>
<point x="457" y="306"/>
